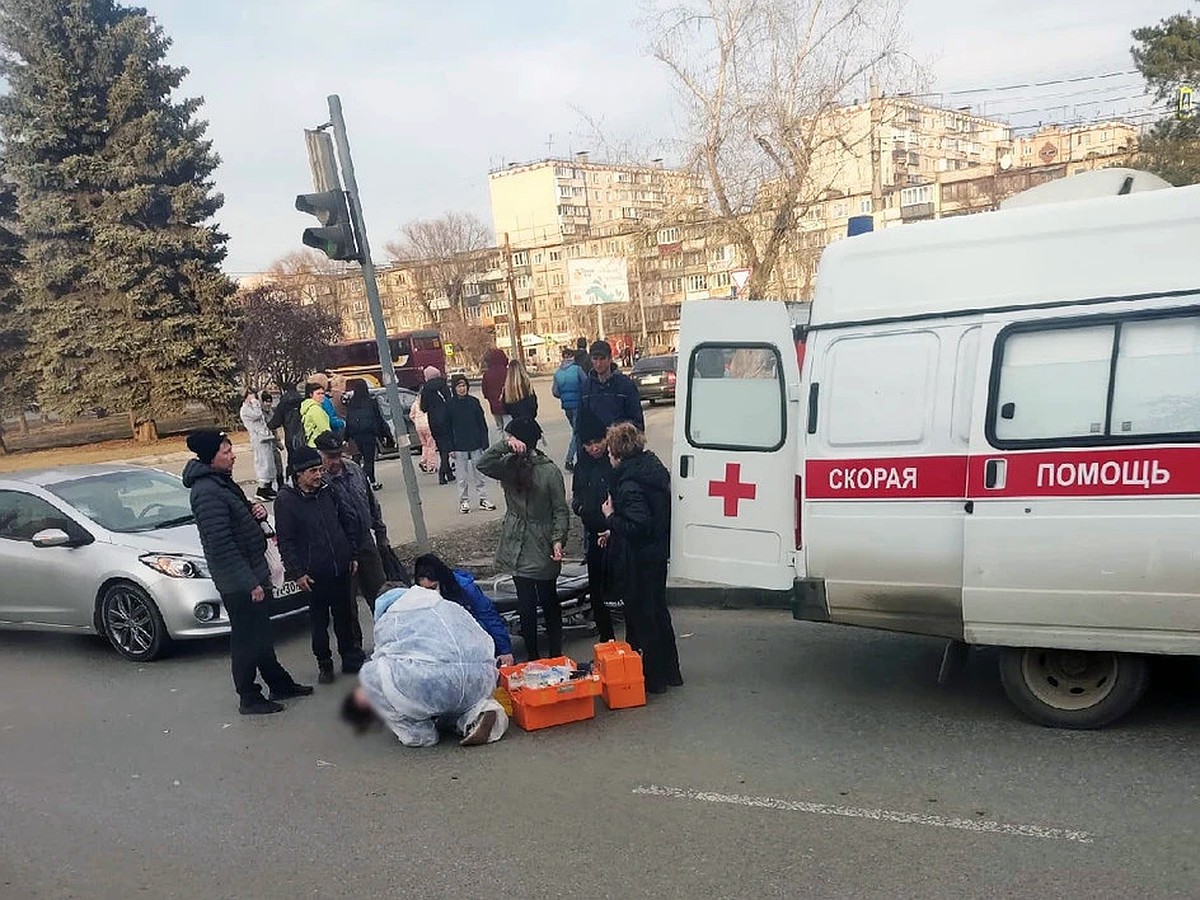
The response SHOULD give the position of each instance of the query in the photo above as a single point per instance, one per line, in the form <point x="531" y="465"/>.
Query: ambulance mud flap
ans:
<point x="809" y="603"/>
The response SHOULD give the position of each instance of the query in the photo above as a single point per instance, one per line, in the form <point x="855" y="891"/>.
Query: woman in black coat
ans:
<point x="434" y="396"/>
<point x="365" y="424"/>
<point x="638" y="516"/>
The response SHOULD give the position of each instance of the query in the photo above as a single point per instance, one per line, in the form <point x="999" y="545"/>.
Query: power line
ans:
<point x="1077" y="79"/>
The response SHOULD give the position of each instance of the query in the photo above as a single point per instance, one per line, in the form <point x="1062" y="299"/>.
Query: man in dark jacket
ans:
<point x="234" y="544"/>
<point x="609" y="395"/>
<point x="589" y="489"/>
<point x="468" y="439"/>
<point x="360" y="510"/>
<point x="287" y="416"/>
<point x="317" y="553"/>
<point x="581" y="355"/>
<point x="435" y="394"/>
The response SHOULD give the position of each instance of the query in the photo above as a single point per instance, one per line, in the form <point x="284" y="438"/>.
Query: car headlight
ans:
<point x="176" y="566"/>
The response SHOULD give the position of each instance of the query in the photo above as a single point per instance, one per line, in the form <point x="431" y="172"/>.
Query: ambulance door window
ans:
<point x="736" y="398"/>
<point x="879" y="389"/>
<point x="1157" y="385"/>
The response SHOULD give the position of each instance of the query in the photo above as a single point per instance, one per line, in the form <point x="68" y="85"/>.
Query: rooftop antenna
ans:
<point x="550" y="145"/>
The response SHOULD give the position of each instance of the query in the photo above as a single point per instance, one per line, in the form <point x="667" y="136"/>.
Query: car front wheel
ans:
<point x="132" y="623"/>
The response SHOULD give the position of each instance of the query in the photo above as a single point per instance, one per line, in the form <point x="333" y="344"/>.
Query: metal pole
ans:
<point x="514" y="324"/>
<point x="381" y="339"/>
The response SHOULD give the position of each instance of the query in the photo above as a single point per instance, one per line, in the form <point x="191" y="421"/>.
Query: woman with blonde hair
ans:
<point x="520" y="401"/>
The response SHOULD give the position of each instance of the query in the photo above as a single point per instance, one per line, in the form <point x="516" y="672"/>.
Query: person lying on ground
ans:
<point x="433" y="666"/>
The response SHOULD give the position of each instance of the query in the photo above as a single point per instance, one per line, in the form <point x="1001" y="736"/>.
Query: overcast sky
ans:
<point x="436" y="94"/>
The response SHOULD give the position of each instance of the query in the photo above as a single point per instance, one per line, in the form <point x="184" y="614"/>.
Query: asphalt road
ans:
<point x="799" y="760"/>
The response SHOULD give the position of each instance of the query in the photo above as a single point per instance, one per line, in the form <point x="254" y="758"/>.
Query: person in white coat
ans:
<point x="262" y="443"/>
<point x="433" y="665"/>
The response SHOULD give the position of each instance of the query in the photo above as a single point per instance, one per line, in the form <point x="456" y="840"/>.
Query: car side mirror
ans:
<point x="51" y="537"/>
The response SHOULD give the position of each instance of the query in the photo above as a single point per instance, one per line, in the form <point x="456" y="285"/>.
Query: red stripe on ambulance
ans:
<point x="897" y="478"/>
<point x="1101" y="472"/>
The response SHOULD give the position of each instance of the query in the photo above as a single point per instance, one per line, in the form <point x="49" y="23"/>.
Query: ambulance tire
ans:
<point x="1073" y="688"/>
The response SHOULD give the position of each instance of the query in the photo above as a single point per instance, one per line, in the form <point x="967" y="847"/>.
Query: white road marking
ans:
<point x="979" y="826"/>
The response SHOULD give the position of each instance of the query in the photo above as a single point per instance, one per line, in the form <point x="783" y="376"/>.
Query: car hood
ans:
<point x="180" y="539"/>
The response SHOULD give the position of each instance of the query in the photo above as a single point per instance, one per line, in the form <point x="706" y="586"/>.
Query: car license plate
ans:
<point x="652" y="379"/>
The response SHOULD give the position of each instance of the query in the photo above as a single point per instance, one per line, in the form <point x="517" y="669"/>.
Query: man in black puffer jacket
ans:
<point x="316" y="541"/>
<point x="234" y="545"/>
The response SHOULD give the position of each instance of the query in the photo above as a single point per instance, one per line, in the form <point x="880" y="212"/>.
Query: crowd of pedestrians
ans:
<point x="333" y="543"/>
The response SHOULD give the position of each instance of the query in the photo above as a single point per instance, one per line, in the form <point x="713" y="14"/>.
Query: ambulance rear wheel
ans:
<point x="1073" y="688"/>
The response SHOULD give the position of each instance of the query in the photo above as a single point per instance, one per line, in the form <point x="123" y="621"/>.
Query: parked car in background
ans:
<point x="110" y="550"/>
<point x="407" y="398"/>
<point x="655" y="378"/>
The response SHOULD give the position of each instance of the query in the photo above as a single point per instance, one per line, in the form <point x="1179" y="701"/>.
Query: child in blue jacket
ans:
<point x="460" y="587"/>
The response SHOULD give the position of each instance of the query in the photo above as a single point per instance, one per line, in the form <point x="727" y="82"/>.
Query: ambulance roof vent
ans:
<point x="1087" y="186"/>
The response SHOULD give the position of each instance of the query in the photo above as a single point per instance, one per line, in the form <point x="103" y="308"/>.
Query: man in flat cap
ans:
<point x="234" y="547"/>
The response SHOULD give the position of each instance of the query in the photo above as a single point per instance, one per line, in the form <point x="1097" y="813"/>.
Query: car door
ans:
<point x="53" y="586"/>
<point x="735" y="451"/>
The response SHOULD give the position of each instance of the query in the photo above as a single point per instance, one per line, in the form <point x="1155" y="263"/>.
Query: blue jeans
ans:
<point x="572" y="449"/>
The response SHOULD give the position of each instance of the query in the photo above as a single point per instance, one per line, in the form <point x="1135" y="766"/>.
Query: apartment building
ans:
<point x="1055" y="144"/>
<point x="556" y="200"/>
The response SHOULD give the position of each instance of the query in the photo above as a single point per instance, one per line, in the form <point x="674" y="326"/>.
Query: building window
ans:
<point x="673" y="286"/>
<point x="864" y="206"/>
<point x="555" y="256"/>
<point x="668" y="235"/>
<point x="697" y="283"/>
<point x="537" y="259"/>
<point x="720" y="280"/>
<point x="520" y="258"/>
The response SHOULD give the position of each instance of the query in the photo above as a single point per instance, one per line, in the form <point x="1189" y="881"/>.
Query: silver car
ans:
<point x="111" y="550"/>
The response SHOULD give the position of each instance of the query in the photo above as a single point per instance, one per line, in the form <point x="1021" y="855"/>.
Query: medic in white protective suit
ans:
<point x="433" y="665"/>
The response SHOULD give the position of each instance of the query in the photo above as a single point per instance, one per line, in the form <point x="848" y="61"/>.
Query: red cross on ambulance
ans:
<point x="733" y="490"/>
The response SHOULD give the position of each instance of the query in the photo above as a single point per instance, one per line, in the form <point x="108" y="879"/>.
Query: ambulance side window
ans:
<point x="736" y="398"/>
<point x="1157" y="386"/>
<point x="880" y="389"/>
<point x="1122" y="380"/>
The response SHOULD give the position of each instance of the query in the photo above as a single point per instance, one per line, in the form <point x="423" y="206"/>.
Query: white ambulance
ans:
<point x="985" y="428"/>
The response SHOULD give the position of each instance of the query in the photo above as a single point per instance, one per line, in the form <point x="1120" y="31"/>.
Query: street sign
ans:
<point x="740" y="278"/>
<point x="1183" y="103"/>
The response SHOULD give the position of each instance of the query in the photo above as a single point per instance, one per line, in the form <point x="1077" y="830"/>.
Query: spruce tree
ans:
<point x="123" y="294"/>
<point x="15" y="383"/>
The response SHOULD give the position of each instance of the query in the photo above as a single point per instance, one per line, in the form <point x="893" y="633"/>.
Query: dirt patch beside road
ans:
<point x="473" y="547"/>
<point x="106" y="451"/>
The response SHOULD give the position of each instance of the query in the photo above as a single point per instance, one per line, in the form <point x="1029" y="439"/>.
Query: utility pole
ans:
<point x="876" y="167"/>
<point x="514" y="323"/>
<point x="381" y="339"/>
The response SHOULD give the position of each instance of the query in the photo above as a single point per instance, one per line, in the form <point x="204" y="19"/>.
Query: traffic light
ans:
<point x="336" y="238"/>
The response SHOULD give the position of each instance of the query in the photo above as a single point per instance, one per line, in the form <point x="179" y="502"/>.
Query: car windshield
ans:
<point x="133" y="500"/>
<point x="654" y="364"/>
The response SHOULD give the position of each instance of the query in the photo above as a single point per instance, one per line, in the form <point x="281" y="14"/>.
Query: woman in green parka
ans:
<point x="534" y="530"/>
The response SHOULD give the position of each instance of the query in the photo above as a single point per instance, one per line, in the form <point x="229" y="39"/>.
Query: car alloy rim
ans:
<point x="1070" y="679"/>
<point x="130" y="622"/>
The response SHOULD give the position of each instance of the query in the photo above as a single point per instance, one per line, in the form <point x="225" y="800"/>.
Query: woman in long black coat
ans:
<point x="435" y="394"/>
<point x="638" y="516"/>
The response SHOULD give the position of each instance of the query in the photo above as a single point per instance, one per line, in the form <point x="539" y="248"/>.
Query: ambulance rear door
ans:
<point x="736" y="455"/>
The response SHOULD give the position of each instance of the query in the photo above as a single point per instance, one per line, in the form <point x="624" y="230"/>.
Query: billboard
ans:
<point x="601" y="279"/>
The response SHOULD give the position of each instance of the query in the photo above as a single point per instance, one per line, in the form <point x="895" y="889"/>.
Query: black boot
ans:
<point x="260" y="707"/>
<point x="325" y="671"/>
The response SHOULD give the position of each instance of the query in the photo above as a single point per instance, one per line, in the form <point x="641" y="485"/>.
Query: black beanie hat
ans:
<point x="303" y="458"/>
<point x="205" y="443"/>
<point x="456" y="378"/>
<point x="527" y="431"/>
<point x="589" y="428"/>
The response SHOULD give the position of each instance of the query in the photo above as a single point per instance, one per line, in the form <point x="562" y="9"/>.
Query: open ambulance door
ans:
<point x="737" y="421"/>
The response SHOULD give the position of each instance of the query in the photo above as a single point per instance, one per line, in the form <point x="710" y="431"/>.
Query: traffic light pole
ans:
<point x="381" y="340"/>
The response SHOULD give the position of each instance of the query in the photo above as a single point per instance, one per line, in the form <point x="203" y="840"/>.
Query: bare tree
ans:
<point x="304" y="271"/>
<point x="444" y="255"/>
<point x="766" y="84"/>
